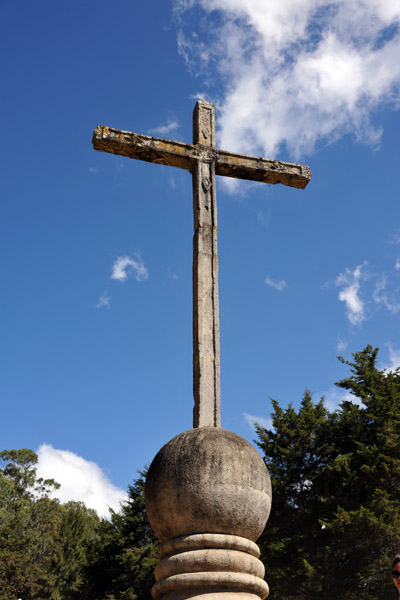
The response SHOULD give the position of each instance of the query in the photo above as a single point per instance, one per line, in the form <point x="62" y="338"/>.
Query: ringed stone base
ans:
<point x="208" y="497"/>
<point x="209" y="567"/>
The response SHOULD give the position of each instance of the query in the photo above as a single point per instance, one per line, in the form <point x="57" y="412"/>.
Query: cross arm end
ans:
<point x="262" y="169"/>
<point x="143" y="147"/>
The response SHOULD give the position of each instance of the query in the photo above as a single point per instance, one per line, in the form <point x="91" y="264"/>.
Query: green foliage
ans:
<point x="77" y="536"/>
<point x="28" y="527"/>
<point x="334" y="526"/>
<point x="335" y="521"/>
<point x="44" y="546"/>
<point x="126" y="552"/>
<point x="50" y="551"/>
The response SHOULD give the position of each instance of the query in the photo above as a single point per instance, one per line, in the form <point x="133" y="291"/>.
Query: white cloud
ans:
<point x="200" y="96"/>
<point x="171" y="178"/>
<point x="125" y="264"/>
<point x="171" y="125"/>
<point x="103" y="302"/>
<point x="335" y="396"/>
<point x="341" y="345"/>
<point x="295" y="73"/>
<point x="395" y="239"/>
<point x="252" y="420"/>
<point x="80" y="480"/>
<point x="277" y="285"/>
<point x="262" y="218"/>
<point x="394" y="358"/>
<point x="397" y="265"/>
<point x="350" y="282"/>
<point x="93" y="170"/>
<point x="383" y="296"/>
<point x="173" y="276"/>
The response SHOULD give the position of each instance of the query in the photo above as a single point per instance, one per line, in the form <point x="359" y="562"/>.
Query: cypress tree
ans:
<point x="335" y="521"/>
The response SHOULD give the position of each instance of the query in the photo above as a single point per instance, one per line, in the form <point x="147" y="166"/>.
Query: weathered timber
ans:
<point x="204" y="161"/>
<point x="185" y="156"/>
<point x="206" y="353"/>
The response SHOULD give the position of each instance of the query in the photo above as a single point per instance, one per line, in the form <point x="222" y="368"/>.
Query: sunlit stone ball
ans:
<point x="208" y="480"/>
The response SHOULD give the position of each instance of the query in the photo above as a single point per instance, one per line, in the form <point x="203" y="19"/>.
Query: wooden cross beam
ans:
<point x="204" y="161"/>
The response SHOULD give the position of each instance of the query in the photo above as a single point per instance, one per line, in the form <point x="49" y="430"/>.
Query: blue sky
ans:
<point x="96" y="249"/>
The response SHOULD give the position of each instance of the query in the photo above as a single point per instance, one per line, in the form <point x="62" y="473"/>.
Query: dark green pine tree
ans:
<point x="364" y="528"/>
<point x="126" y="553"/>
<point x="297" y="451"/>
<point x="76" y="541"/>
<point x="335" y="521"/>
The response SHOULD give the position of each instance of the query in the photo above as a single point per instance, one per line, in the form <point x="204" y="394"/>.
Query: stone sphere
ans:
<point x="208" y="480"/>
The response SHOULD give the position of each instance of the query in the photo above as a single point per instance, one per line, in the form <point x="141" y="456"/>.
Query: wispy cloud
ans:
<point x="171" y="179"/>
<point x="252" y="420"/>
<point x="395" y="238"/>
<point x="200" y="96"/>
<point x="295" y="73"/>
<point x="394" y="358"/>
<point x="277" y="285"/>
<point x="93" y="170"/>
<point x="170" y="126"/>
<point x="397" y="265"/>
<point x="382" y="295"/>
<point x="350" y="282"/>
<point x="125" y="265"/>
<point x="173" y="276"/>
<point x="103" y="302"/>
<point x="341" y="345"/>
<point x="262" y="217"/>
<point x="80" y="480"/>
<point x="335" y="396"/>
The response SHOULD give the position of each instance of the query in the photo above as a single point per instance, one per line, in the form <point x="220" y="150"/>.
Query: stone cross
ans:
<point x="204" y="161"/>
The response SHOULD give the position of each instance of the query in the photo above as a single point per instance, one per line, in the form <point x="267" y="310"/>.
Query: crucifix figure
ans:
<point x="204" y="161"/>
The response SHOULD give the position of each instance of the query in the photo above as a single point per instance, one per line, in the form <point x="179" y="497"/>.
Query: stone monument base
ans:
<point x="208" y="496"/>
<point x="209" y="566"/>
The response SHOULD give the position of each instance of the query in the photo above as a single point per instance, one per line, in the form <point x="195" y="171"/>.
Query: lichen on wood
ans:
<point x="184" y="156"/>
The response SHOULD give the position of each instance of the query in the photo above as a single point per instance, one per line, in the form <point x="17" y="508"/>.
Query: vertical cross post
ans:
<point x="204" y="161"/>
<point x="206" y="353"/>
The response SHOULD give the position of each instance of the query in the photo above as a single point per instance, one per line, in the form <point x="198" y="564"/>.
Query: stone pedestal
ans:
<point x="208" y="498"/>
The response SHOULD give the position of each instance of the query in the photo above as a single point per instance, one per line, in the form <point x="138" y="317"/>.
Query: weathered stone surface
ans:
<point x="210" y="565"/>
<point x="209" y="540"/>
<point x="208" y="480"/>
<point x="200" y="560"/>
<point x="196" y="585"/>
